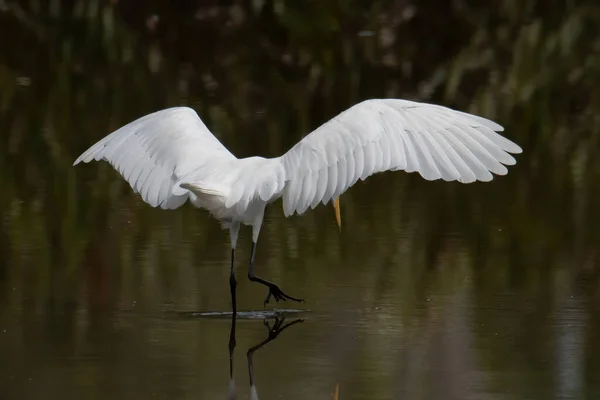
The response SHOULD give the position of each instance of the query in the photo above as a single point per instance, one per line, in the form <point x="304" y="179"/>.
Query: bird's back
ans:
<point x="238" y="189"/>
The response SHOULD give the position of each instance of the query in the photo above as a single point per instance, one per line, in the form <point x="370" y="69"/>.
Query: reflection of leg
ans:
<point x="274" y="290"/>
<point x="277" y="328"/>
<point x="273" y="334"/>
<point x="232" y="344"/>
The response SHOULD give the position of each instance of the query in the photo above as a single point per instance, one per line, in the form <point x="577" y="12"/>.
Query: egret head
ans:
<point x="338" y="217"/>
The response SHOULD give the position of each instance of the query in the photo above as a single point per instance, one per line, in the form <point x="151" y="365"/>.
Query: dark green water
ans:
<point x="432" y="290"/>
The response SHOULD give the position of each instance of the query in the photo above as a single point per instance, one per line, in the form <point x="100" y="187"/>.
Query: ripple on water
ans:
<point x="250" y="314"/>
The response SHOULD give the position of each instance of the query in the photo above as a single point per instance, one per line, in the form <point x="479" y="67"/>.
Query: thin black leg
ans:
<point x="232" y="286"/>
<point x="232" y="283"/>
<point x="274" y="290"/>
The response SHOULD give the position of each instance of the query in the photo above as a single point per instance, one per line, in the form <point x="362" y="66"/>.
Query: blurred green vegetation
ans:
<point x="262" y="74"/>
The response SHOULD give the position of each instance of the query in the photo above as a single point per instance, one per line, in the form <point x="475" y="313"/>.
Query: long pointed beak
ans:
<point x="338" y="217"/>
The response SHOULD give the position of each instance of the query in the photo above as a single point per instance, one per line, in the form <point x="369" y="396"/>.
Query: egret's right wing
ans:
<point x="155" y="151"/>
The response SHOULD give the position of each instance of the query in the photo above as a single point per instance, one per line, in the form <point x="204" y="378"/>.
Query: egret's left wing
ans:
<point x="390" y="134"/>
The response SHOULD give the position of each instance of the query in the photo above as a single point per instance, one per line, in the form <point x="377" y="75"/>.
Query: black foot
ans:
<point x="278" y="294"/>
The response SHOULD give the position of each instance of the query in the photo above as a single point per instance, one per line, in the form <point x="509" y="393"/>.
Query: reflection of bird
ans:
<point x="170" y="156"/>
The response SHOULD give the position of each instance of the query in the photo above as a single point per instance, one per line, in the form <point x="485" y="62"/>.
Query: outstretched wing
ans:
<point x="155" y="151"/>
<point x="390" y="134"/>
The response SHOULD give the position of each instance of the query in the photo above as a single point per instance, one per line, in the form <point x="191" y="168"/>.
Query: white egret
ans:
<point x="170" y="156"/>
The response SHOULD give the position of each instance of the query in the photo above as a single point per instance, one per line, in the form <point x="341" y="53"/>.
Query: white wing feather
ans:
<point x="390" y="134"/>
<point x="167" y="154"/>
<point x="155" y="152"/>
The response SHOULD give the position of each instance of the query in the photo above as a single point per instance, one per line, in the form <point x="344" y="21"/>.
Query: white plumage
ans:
<point x="170" y="156"/>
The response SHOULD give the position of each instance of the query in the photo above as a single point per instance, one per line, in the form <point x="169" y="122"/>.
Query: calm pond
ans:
<point x="432" y="290"/>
